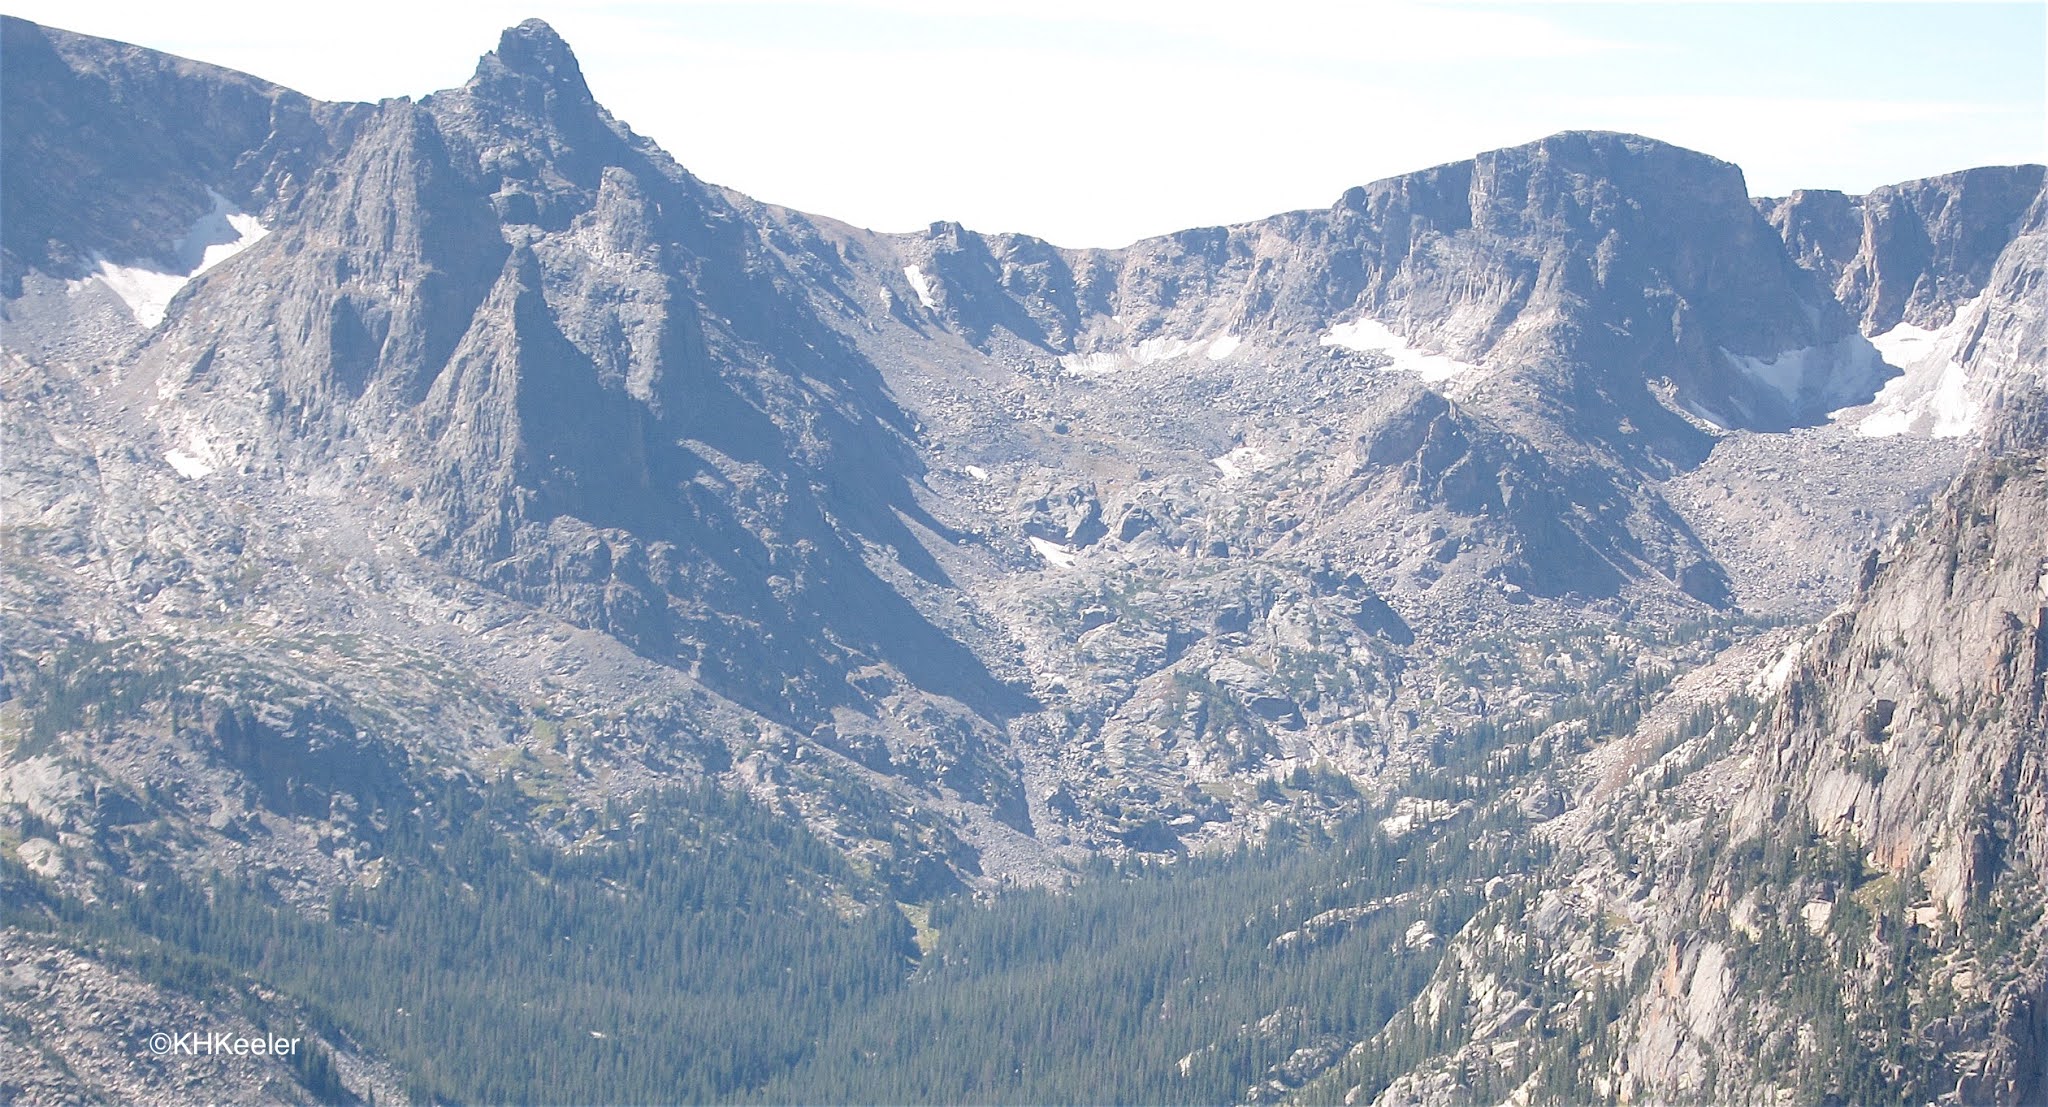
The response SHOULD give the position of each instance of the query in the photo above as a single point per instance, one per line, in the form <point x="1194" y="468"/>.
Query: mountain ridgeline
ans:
<point x="541" y="626"/>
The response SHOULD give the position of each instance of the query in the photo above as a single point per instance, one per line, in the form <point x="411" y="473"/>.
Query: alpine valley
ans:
<point x="537" y="626"/>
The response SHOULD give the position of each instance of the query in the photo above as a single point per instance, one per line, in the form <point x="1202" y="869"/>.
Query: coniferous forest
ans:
<point x="711" y="949"/>
<point x="721" y="953"/>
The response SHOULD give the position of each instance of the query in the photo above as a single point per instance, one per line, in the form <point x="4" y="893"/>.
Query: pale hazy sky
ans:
<point x="1095" y="122"/>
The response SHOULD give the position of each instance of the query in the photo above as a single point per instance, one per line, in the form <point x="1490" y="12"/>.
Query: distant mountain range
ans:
<point x="376" y="470"/>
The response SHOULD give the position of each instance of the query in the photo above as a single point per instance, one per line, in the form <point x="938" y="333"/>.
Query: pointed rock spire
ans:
<point x="533" y="48"/>
<point x="532" y="53"/>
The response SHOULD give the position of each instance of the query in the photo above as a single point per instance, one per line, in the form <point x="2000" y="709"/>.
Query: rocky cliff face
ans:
<point x="1907" y="734"/>
<point x="1582" y="267"/>
<point x="483" y="373"/>
<point x="1907" y="253"/>
<point x="116" y="151"/>
<point x="503" y="311"/>
<point x="495" y="339"/>
<point x="365" y="451"/>
<point x="1815" y="871"/>
<point x="2003" y="356"/>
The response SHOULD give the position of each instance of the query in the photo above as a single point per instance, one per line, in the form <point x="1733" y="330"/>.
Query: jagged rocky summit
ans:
<point x="384" y="449"/>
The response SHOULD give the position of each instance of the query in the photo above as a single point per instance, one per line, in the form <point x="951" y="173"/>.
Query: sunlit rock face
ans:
<point x="403" y="451"/>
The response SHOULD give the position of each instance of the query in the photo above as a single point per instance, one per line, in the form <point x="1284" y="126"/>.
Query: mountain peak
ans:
<point x="534" y="35"/>
<point x="533" y="50"/>
<point x="1612" y="150"/>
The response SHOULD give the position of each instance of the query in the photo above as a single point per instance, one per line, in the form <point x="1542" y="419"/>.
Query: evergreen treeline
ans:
<point x="698" y="947"/>
<point x="716" y="951"/>
<point x="687" y="962"/>
<point x="1155" y="984"/>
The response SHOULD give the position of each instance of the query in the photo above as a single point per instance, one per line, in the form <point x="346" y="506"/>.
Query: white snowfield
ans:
<point x="199" y="457"/>
<point x="1242" y="460"/>
<point x="1706" y="415"/>
<point x="189" y="467"/>
<point x="1784" y="373"/>
<point x="1372" y="336"/>
<point x="1839" y="372"/>
<point x="1150" y="351"/>
<point x="217" y="236"/>
<point x="1093" y="365"/>
<point x="1932" y="394"/>
<point x="1056" y="555"/>
<point x="922" y="285"/>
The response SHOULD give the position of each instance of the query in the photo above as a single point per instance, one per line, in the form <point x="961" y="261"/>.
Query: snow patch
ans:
<point x="189" y="467"/>
<point x="1705" y="415"/>
<point x="1054" y="554"/>
<point x="1840" y="372"/>
<point x="978" y="473"/>
<point x="1784" y="373"/>
<point x="145" y="292"/>
<point x="1932" y="393"/>
<point x="1154" y="350"/>
<point x="1372" y="336"/>
<point x="1244" y="459"/>
<point x="1150" y="351"/>
<point x="1092" y="365"/>
<point x="922" y="285"/>
<point x="200" y="457"/>
<point x="1907" y="345"/>
<point x="217" y="236"/>
<point x="245" y="228"/>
